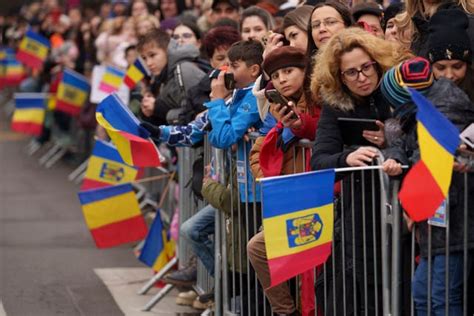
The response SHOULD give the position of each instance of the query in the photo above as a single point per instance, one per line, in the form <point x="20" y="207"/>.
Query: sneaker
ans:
<point x="186" y="298"/>
<point x="184" y="277"/>
<point x="204" y="301"/>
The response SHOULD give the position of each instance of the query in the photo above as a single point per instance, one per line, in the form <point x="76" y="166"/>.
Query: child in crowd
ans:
<point x="174" y="72"/>
<point x="230" y="113"/>
<point x="456" y="106"/>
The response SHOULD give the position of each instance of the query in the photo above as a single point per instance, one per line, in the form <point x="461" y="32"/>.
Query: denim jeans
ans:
<point x="438" y="268"/>
<point x="197" y="230"/>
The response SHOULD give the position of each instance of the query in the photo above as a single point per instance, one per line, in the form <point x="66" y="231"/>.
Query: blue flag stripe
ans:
<point x="36" y="37"/>
<point x="154" y="243"/>
<point x="445" y="133"/>
<point x="95" y="195"/>
<point x="115" y="71"/>
<point x="107" y="151"/>
<point x="120" y="116"/>
<point x="297" y="192"/>
<point x="30" y="103"/>
<point x="76" y="80"/>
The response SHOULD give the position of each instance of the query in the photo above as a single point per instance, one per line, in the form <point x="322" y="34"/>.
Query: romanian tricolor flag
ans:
<point x="132" y="140"/>
<point x="136" y="72"/>
<point x="106" y="168"/>
<point x="158" y="249"/>
<point x="298" y="215"/>
<point x="113" y="216"/>
<point x="30" y="109"/>
<point x="72" y="92"/>
<point x="11" y="70"/>
<point x="111" y="80"/>
<point x="426" y="185"/>
<point x="33" y="50"/>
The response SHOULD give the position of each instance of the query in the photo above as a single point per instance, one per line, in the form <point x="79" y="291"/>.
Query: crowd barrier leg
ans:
<point x="55" y="158"/>
<point x="396" y="253"/>
<point x="32" y="147"/>
<point x="78" y="171"/>
<point x="218" y="155"/>
<point x="156" y="278"/>
<point x="49" y="154"/>
<point x="465" y="252"/>
<point x="157" y="298"/>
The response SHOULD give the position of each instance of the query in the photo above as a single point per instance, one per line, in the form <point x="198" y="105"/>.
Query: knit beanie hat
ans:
<point x="282" y="57"/>
<point x="391" y="11"/>
<point x="448" y="38"/>
<point x="413" y="73"/>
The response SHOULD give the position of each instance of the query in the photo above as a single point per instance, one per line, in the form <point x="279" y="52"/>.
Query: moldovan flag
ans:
<point x="136" y="72"/>
<point x="72" y="92"/>
<point x="298" y="215"/>
<point x="13" y="72"/>
<point x="112" y="79"/>
<point x="30" y="109"/>
<point x="113" y="216"/>
<point x="158" y="248"/>
<point x="427" y="183"/>
<point x="106" y="168"/>
<point x="131" y="140"/>
<point x="33" y="50"/>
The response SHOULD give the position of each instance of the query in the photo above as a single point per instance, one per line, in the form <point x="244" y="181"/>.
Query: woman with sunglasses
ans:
<point x="347" y="75"/>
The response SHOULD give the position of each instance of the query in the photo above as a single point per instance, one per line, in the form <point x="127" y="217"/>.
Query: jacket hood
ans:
<point x="178" y="53"/>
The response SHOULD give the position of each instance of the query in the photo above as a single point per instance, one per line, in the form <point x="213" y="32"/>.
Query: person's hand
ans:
<point x="154" y="130"/>
<point x="287" y="119"/>
<point x="392" y="167"/>
<point x="274" y="40"/>
<point x="409" y="222"/>
<point x="249" y="130"/>
<point x="218" y="89"/>
<point x="361" y="156"/>
<point x="207" y="173"/>
<point x="376" y="137"/>
<point x="460" y="167"/>
<point x="148" y="104"/>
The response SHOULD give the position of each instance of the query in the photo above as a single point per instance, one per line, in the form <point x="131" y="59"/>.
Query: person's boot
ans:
<point x="204" y="301"/>
<point x="184" y="277"/>
<point x="186" y="298"/>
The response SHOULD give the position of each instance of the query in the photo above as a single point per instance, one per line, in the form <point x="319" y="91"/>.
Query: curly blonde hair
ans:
<point x="326" y="83"/>
<point x="405" y="25"/>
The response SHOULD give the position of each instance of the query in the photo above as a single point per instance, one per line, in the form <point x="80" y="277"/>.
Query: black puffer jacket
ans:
<point x="456" y="106"/>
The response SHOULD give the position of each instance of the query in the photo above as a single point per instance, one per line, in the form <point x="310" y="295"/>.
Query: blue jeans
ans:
<point x="438" y="268"/>
<point x="196" y="230"/>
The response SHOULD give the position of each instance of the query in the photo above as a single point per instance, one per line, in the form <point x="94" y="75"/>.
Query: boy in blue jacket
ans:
<point x="230" y="113"/>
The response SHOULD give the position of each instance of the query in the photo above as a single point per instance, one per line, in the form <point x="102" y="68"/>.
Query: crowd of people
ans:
<point x="289" y="71"/>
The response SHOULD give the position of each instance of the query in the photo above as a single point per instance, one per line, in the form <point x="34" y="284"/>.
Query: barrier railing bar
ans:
<point x="354" y="264"/>
<point x="396" y="236"/>
<point x="465" y="253"/>
<point x="374" y="236"/>
<point x="446" y="270"/>
<point x="364" y="244"/>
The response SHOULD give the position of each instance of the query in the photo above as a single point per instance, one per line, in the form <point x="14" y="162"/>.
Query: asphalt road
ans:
<point x="47" y="256"/>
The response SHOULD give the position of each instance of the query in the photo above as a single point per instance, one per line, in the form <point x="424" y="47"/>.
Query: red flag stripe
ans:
<point x="129" y="230"/>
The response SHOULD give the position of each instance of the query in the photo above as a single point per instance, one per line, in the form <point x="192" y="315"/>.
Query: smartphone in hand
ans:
<point x="229" y="81"/>
<point x="275" y="97"/>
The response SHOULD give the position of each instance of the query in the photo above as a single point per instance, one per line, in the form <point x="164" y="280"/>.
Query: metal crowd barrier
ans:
<point x="368" y="273"/>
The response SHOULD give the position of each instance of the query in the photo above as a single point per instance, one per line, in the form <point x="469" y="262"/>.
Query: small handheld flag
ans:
<point x="72" y="92"/>
<point x="30" y="109"/>
<point x="123" y="127"/>
<point x="106" y="168"/>
<point x="136" y="72"/>
<point x="111" y="80"/>
<point x="33" y="50"/>
<point x="427" y="183"/>
<point x="113" y="216"/>
<point x="298" y="222"/>
<point x="158" y="248"/>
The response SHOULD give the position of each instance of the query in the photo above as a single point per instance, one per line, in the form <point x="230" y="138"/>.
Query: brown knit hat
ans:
<point x="282" y="57"/>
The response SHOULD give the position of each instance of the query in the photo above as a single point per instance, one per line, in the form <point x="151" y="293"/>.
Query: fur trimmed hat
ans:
<point x="282" y="57"/>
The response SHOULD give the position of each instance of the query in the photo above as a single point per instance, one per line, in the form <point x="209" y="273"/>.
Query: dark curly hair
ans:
<point x="220" y="36"/>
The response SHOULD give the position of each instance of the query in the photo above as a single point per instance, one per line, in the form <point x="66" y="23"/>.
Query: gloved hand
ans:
<point x="154" y="130"/>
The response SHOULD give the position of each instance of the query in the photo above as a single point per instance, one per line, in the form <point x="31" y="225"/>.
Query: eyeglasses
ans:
<point x="184" y="36"/>
<point x="329" y="22"/>
<point x="352" y="74"/>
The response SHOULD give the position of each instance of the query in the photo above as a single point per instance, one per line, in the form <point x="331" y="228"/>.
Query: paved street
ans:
<point x="48" y="262"/>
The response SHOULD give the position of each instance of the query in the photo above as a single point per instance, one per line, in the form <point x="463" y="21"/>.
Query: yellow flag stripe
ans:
<point x="70" y="94"/>
<point x="122" y="144"/>
<point x="33" y="47"/>
<point x="30" y="116"/>
<point x="111" y="210"/>
<point x="437" y="159"/>
<point x="276" y="231"/>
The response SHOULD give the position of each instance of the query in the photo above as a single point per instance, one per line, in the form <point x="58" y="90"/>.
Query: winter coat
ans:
<point x="293" y="155"/>
<point x="166" y="87"/>
<point x="229" y="123"/>
<point x="329" y="151"/>
<point x="419" y="44"/>
<point x="224" y="198"/>
<point x="195" y="99"/>
<point x="456" y="106"/>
